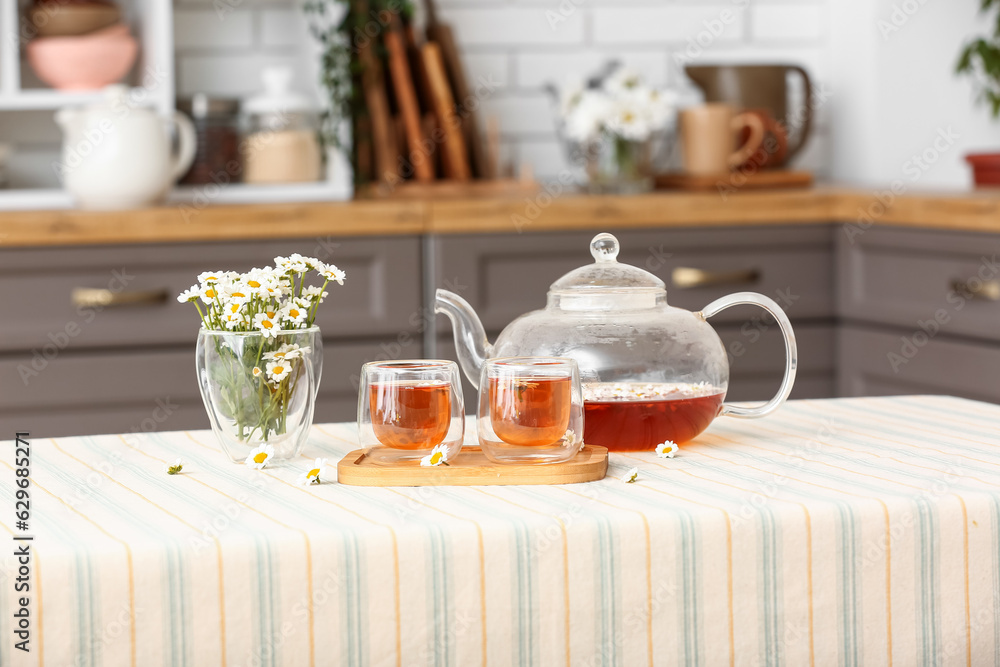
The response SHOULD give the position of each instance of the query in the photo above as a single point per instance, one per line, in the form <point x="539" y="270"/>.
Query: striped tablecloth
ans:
<point x="838" y="532"/>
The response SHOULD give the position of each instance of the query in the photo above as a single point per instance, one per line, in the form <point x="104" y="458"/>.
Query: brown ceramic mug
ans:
<point x="709" y="135"/>
<point x="773" y="152"/>
<point x="762" y="87"/>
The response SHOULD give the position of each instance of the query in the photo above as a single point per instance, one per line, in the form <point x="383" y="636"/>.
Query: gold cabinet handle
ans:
<point x="987" y="290"/>
<point x="88" y="297"/>
<point x="685" y="277"/>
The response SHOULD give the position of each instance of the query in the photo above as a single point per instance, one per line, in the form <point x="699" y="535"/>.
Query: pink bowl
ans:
<point x="85" y="62"/>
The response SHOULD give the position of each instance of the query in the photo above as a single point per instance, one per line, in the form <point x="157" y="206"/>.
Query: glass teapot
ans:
<point x="650" y="372"/>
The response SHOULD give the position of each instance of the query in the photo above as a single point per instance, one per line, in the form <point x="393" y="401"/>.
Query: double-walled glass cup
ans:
<point x="408" y="408"/>
<point x="530" y="410"/>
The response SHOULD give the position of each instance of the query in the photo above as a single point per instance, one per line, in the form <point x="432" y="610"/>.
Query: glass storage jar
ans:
<point x="282" y="143"/>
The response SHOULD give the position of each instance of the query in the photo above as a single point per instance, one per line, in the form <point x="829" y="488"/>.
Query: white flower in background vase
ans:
<point x="615" y="121"/>
<point x="588" y="117"/>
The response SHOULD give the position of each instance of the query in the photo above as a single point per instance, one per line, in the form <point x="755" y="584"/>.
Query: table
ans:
<point x="846" y="531"/>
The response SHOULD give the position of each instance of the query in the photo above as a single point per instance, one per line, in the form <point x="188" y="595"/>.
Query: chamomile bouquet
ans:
<point x="613" y="122"/>
<point x="259" y="356"/>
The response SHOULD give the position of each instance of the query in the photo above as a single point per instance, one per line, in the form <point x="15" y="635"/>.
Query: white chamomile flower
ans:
<point x="293" y="313"/>
<point x="237" y="293"/>
<point x="437" y="457"/>
<point x="313" y="292"/>
<point x="295" y="263"/>
<point x="569" y="437"/>
<point x="667" y="450"/>
<point x="267" y="323"/>
<point x="260" y="457"/>
<point x="209" y="293"/>
<point x="257" y="372"/>
<point x="211" y="277"/>
<point x="622" y="80"/>
<point x="631" y="476"/>
<point x="256" y="278"/>
<point x="313" y="263"/>
<point x="629" y="122"/>
<point x="273" y="290"/>
<point x="313" y="475"/>
<point x="286" y="351"/>
<point x="331" y="272"/>
<point x="588" y="117"/>
<point x="233" y="320"/>
<point x="176" y="467"/>
<point x="189" y="295"/>
<point x="278" y="370"/>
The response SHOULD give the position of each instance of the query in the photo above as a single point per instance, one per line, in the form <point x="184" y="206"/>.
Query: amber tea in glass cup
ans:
<point x="407" y="408"/>
<point x="530" y="410"/>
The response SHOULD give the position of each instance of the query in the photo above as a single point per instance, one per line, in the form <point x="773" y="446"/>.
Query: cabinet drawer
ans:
<point x="917" y="279"/>
<point x="380" y="296"/>
<point x="880" y="363"/>
<point x="506" y="275"/>
<point x="96" y="392"/>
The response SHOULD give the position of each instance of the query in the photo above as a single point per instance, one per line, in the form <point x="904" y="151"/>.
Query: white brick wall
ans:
<point x="522" y="44"/>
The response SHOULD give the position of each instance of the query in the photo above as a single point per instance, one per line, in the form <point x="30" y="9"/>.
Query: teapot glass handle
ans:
<point x="791" y="351"/>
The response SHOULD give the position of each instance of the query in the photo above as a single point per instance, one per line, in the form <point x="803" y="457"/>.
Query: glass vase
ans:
<point x="616" y="165"/>
<point x="260" y="390"/>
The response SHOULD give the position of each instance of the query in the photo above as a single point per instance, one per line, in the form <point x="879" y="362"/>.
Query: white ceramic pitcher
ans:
<point x="118" y="155"/>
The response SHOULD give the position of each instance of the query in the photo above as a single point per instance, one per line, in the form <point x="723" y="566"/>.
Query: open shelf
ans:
<point x="44" y="98"/>
<point x="152" y="81"/>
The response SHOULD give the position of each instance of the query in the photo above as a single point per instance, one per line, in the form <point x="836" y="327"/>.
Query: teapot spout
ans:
<point x="470" y="337"/>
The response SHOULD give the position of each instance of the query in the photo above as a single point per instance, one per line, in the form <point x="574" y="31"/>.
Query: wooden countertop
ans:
<point x="973" y="211"/>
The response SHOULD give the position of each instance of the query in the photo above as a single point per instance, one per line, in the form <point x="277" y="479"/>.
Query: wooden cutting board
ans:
<point x="441" y="34"/>
<point x="406" y="97"/>
<point x="453" y="150"/>
<point x="472" y="468"/>
<point x="374" y="91"/>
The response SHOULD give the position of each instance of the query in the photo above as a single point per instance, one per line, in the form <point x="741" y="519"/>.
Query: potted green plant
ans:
<point x="980" y="59"/>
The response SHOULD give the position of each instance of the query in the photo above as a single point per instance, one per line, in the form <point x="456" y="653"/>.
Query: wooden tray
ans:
<point x="472" y="468"/>
<point x="737" y="180"/>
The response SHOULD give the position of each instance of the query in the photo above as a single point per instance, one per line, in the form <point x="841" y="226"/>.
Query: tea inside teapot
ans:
<point x="637" y="416"/>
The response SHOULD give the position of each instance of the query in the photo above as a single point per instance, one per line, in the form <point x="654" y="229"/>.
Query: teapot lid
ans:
<point x="606" y="284"/>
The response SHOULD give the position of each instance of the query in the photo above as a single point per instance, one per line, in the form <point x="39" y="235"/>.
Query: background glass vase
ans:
<point x="407" y="408"/>
<point x="270" y="406"/>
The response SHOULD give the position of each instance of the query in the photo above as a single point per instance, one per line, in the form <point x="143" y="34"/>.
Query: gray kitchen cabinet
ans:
<point x="42" y="286"/>
<point x="920" y="313"/>
<point x="880" y="362"/>
<point x="506" y="275"/>
<point x="67" y="369"/>
<point x="916" y="279"/>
